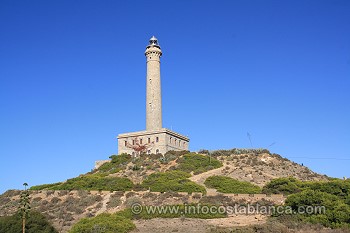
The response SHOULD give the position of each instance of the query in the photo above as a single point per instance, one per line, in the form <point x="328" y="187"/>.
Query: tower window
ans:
<point x="149" y="140"/>
<point x="125" y="143"/>
<point x="133" y="142"/>
<point x="141" y="141"/>
<point x="157" y="139"/>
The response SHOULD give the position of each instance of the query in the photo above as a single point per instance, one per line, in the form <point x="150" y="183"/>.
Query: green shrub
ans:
<point x="290" y="185"/>
<point x="36" y="222"/>
<point x="333" y="195"/>
<point x="171" y="181"/>
<point x="335" y="213"/>
<point x="197" y="163"/>
<point x="107" y="223"/>
<point x="176" y="153"/>
<point x="285" y="185"/>
<point x="93" y="182"/>
<point x="44" y="186"/>
<point x="340" y="188"/>
<point x="225" y="184"/>
<point x="116" y="164"/>
<point x="237" y="151"/>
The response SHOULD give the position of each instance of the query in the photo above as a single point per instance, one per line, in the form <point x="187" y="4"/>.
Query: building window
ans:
<point x="157" y="151"/>
<point x="184" y="145"/>
<point x="141" y="141"/>
<point x="149" y="152"/>
<point x="133" y="142"/>
<point x="175" y="141"/>
<point x="179" y="142"/>
<point x="157" y="139"/>
<point x="170" y="139"/>
<point x="149" y="140"/>
<point x="125" y="143"/>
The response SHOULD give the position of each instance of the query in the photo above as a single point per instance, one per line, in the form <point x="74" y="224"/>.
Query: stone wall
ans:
<point x="99" y="163"/>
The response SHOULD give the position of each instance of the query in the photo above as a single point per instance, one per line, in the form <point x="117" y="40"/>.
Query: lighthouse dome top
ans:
<point x="153" y="41"/>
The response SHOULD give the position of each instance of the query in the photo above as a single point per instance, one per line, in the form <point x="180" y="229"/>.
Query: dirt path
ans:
<point x="162" y="225"/>
<point x="200" y="179"/>
<point x="104" y="204"/>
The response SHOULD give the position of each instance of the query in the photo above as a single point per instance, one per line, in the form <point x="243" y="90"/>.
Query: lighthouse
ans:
<point x="153" y="86"/>
<point x="155" y="139"/>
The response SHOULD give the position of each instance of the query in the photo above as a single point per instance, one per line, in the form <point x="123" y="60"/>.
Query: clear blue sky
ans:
<point x="72" y="76"/>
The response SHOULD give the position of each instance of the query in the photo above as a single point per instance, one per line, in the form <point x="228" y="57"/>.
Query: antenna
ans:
<point x="250" y="140"/>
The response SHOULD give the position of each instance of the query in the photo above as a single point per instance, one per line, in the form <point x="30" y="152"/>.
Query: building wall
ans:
<point x="160" y="142"/>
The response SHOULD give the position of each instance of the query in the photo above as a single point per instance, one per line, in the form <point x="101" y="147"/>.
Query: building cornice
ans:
<point x="152" y="132"/>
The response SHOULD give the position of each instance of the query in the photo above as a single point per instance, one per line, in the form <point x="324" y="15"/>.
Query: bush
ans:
<point x="285" y="185"/>
<point x="335" y="212"/>
<point x="290" y="185"/>
<point x="176" y="153"/>
<point x="171" y="181"/>
<point x="197" y="163"/>
<point x="333" y="195"/>
<point x="116" y="164"/>
<point x="36" y="222"/>
<point x="340" y="188"/>
<point x="44" y="186"/>
<point x="93" y="182"/>
<point x="236" y="151"/>
<point x="225" y="184"/>
<point x="107" y="223"/>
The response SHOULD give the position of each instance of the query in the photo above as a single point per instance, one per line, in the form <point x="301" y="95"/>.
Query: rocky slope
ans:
<point x="64" y="208"/>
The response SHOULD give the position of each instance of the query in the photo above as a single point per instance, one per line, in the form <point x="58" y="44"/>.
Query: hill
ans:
<point x="224" y="177"/>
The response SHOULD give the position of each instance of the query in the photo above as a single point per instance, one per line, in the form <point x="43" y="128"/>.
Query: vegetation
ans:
<point x="225" y="184"/>
<point x="116" y="164"/>
<point x="336" y="212"/>
<point x="235" y="151"/>
<point x="44" y="186"/>
<point x="197" y="163"/>
<point x="290" y="185"/>
<point x="333" y="195"/>
<point x="107" y="223"/>
<point x="121" y="222"/>
<point x="24" y="206"/>
<point x="91" y="182"/>
<point x="171" y="181"/>
<point x="35" y="223"/>
<point x="285" y="185"/>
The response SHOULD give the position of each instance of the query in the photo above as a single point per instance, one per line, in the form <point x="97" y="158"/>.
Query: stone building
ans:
<point x="155" y="139"/>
